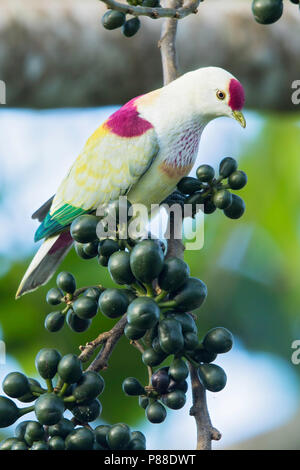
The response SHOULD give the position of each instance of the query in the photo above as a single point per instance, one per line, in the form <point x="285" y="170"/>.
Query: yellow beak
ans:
<point x="239" y="117"/>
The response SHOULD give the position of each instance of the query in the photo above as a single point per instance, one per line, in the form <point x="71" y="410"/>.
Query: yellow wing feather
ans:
<point x="107" y="167"/>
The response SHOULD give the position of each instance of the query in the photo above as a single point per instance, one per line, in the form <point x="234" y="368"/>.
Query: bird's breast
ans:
<point x="181" y="151"/>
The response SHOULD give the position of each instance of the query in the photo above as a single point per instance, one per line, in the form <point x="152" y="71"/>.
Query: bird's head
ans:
<point x="215" y="92"/>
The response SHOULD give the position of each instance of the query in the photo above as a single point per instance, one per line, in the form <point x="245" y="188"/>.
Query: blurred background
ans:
<point x="64" y="75"/>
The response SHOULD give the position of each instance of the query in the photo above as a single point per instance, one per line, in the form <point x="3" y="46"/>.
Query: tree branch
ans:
<point x="205" y="431"/>
<point x="140" y="348"/>
<point x="167" y="44"/>
<point x="109" y="340"/>
<point x="173" y="12"/>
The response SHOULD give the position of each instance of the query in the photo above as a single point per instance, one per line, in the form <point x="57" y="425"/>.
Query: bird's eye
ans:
<point x="221" y="95"/>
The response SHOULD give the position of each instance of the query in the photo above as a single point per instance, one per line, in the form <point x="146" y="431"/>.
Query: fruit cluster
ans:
<point x="168" y="384"/>
<point x="81" y="306"/>
<point x="114" y="19"/>
<point x="32" y="435"/>
<point x="74" y="390"/>
<point x="209" y="191"/>
<point x="268" y="11"/>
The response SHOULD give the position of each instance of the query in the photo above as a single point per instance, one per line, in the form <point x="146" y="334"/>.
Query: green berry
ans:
<point x="34" y="431"/>
<point x="66" y="282"/>
<point x="54" y="321"/>
<point x="189" y="185"/>
<point x="132" y="333"/>
<point x="21" y="429"/>
<point x="46" y="362"/>
<point x="152" y="358"/>
<point x="54" y="296"/>
<point x="79" y="248"/>
<point x="190" y="341"/>
<point x="77" y="324"/>
<point x="205" y="173"/>
<point x="186" y="320"/>
<point x="118" y="436"/>
<point x="237" y="180"/>
<point x="200" y="354"/>
<point x="209" y="206"/>
<point x="156" y="345"/>
<point x="131" y="386"/>
<point x="136" y="444"/>
<point x="39" y="445"/>
<point x="138" y="435"/>
<point x="91" y="249"/>
<point x="156" y="412"/>
<point x="175" y="400"/>
<point x="70" y="369"/>
<point x="93" y="293"/>
<point x="182" y="386"/>
<point x="90" y="386"/>
<point x="85" y="413"/>
<point x="267" y="11"/>
<point x="131" y="27"/>
<point x="103" y="260"/>
<point x="101" y="433"/>
<point x="146" y="260"/>
<point x="174" y="274"/>
<point x="227" y="166"/>
<point x="49" y="409"/>
<point x="80" y="439"/>
<point x="85" y="307"/>
<point x="119" y="268"/>
<point x="170" y="336"/>
<point x="9" y="412"/>
<point x="113" y="303"/>
<point x="62" y="428"/>
<point x="107" y="247"/>
<point x="191" y="295"/>
<point x="178" y="370"/>
<point x="213" y="377"/>
<point x="15" y="385"/>
<point x="56" y="443"/>
<point x="143" y="313"/>
<point x="19" y="446"/>
<point x="83" y="228"/>
<point x="143" y="402"/>
<point x="34" y="386"/>
<point x="218" y="340"/>
<point x="8" y="443"/>
<point x="236" y="208"/>
<point x="222" y="199"/>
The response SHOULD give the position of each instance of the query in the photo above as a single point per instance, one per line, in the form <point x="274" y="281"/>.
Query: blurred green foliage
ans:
<point x="251" y="268"/>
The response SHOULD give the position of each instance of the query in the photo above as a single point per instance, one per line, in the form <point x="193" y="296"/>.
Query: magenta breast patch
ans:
<point x="126" y="122"/>
<point x="237" y="95"/>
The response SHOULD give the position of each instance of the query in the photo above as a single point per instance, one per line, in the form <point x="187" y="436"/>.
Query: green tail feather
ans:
<point x="58" y="221"/>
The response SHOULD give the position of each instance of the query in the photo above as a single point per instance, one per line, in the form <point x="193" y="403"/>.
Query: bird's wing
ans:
<point x="113" y="160"/>
<point x="41" y="213"/>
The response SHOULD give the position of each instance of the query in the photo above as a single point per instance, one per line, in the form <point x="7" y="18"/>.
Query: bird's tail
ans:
<point x="45" y="262"/>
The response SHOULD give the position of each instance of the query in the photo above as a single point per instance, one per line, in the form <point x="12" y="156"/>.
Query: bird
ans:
<point x="141" y="151"/>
